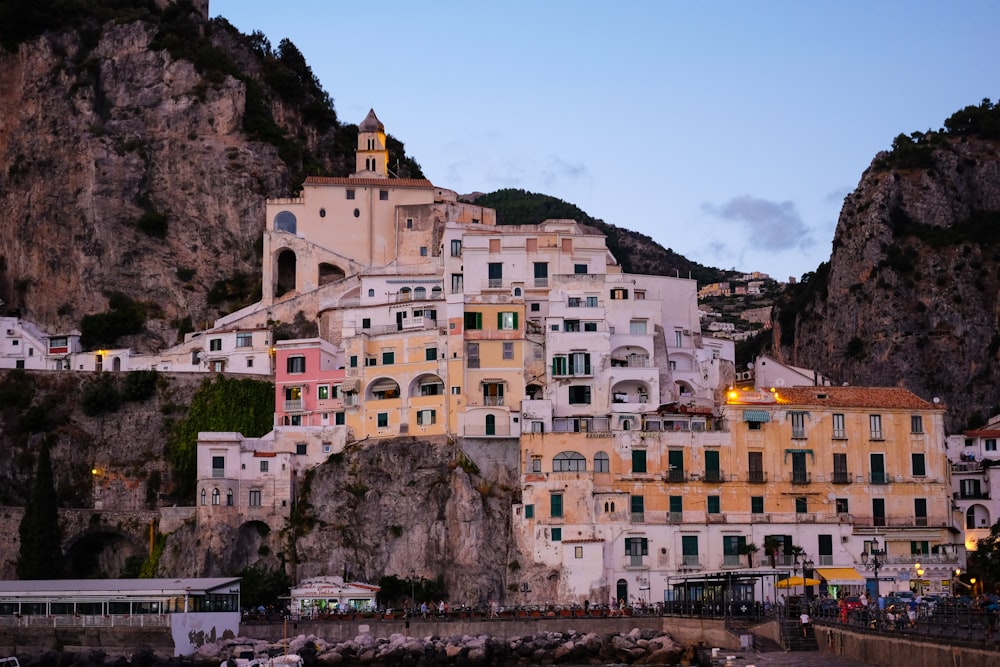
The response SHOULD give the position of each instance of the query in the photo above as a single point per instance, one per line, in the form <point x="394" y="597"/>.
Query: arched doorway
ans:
<point x="285" y="276"/>
<point x="328" y="273"/>
<point x="491" y="425"/>
<point x="622" y="590"/>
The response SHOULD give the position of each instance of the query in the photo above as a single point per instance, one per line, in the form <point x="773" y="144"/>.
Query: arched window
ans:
<point x="419" y="293"/>
<point x="436" y="292"/>
<point x="404" y="294"/>
<point x="204" y="497"/>
<point x="229" y="497"/>
<point x="371" y="292"/>
<point x="970" y="517"/>
<point x="569" y="462"/>
<point x="601" y="463"/>
<point x="606" y="507"/>
<point x="216" y="497"/>
<point x="285" y="222"/>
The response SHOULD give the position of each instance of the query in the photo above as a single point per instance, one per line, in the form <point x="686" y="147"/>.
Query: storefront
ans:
<point x="323" y="596"/>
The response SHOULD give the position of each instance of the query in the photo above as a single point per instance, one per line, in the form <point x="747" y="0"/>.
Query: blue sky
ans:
<point x="729" y="131"/>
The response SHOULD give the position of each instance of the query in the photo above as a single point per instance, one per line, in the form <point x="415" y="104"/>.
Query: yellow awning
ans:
<point x="840" y="576"/>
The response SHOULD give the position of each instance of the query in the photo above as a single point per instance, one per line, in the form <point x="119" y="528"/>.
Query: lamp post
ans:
<point x="413" y="581"/>
<point x="873" y="559"/>
<point x="807" y="570"/>
<point x="920" y="581"/>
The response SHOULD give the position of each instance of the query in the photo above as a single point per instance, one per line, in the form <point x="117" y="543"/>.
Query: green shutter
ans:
<point x="515" y="320"/>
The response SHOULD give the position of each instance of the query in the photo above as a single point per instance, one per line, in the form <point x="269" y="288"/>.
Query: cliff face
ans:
<point x="127" y="170"/>
<point x="910" y="295"/>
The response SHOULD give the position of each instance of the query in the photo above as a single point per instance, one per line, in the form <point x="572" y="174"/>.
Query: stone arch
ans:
<point x="330" y="273"/>
<point x="102" y="552"/>
<point x="382" y="388"/>
<point x="426" y="384"/>
<point x="285" y="276"/>
<point x="533" y="392"/>
<point x="977" y="516"/>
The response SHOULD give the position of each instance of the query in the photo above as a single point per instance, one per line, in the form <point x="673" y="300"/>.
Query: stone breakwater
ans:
<point x="637" y="647"/>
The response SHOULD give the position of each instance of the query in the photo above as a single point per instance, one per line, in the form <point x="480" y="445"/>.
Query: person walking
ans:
<point x="804" y="618"/>
<point x="842" y="610"/>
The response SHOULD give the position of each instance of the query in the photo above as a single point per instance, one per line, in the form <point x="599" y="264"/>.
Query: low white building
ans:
<point x="331" y="595"/>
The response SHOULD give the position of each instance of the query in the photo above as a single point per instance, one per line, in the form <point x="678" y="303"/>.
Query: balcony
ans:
<point x="714" y="476"/>
<point x="716" y="518"/>
<point x="879" y="478"/>
<point x="691" y="560"/>
<point x="757" y="477"/>
<point x="840" y="477"/>
<point x="971" y="495"/>
<point x="493" y="401"/>
<point x="637" y="517"/>
<point x="732" y="560"/>
<point x="633" y="562"/>
<point x="676" y="476"/>
<point x="293" y="406"/>
<point x="675" y="517"/>
<point x="801" y="477"/>
<point x="967" y="467"/>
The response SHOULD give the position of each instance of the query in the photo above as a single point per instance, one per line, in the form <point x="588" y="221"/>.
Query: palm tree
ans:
<point x="749" y="549"/>
<point x="771" y="546"/>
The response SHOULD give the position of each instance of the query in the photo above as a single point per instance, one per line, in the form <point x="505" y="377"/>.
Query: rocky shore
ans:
<point x="639" y="647"/>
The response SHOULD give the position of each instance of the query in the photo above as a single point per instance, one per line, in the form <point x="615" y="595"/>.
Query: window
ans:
<point x="423" y="251"/>
<point x="919" y="547"/>
<point x="920" y="511"/>
<point x="825" y="549"/>
<point x="556" y="534"/>
<point x="301" y="448"/>
<point x="536" y="307"/>
<point x="559" y="366"/>
<point x="637" y="507"/>
<point x="495" y="273"/>
<point x="840" y="474"/>
<point x="798" y="424"/>
<point x="678" y="339"/>
<point x="676" y="505"/>
<point x="529" y="511"/>
<point x="473" y="320"/>
<point x="457" y="283"/>
<point x="713" y="473"/>
<point x="541" y="274"/>
<point x="244" y="340"/>
<point x="323" y="392"/>
<point x="619" y="294"/>
<point x="990" y="444"/>
<point x="919" y="467"/>
<point x="204" y="497"/>
<point x="456" y="391"/>
<point x="675" y="465"/>
<point x="580" y="269"/>
<point x="916" y="424"/>
<point x="573" y="302"/>
<point x="229" y="498"/>
<point x="506" y="321"/>
<point x="296" y="364"/>
<point x="839" y="433"/>
<point x="388" y="357"/>
<point x="254" y="499"/>
<point x="371" y="291"/>
<point x="714" y="505"/>
<point x="263" y="466"/>
<point x="757" y="504"/>
<point x="409" y="223"/>
<point x="755" y="468"/>
<point x="590" y="326"/>
<point x="569" y="462"/>
<point x="218" y="466"/>
<point x="591" y="302"/>
<point x="801" y="505"/>
<point x="354" y="361"/>
<point x="577" y="552"/>
<point x="216" y="497"/>
<point x="842" y="505"/>
<point x="875" y="425"/>
<point x="215" y="344"/>
<point x="456" y="248"/>
<point x="338" y="418"/>
<point x="349" y="194"/>
<point x="383" y="195"/>
<point x="579" y="363"/>
<point x="382" y="420"/>
<point x="426" y="417"/>
<point x="430" y="354"/>
<point x="879" y="475"/>
<point x="472" y="355"/>
<point x="689" y="549"/>
<point x="637" y="327"/>
<point x="579" y="395"/>
<point x="556" y="506"/>
<point x="640" y="295"/>
<point x="249" y="362"/>
<point x="601" y="463"/>
<point x="508" y="350"/>
<point x="638" y="460"/>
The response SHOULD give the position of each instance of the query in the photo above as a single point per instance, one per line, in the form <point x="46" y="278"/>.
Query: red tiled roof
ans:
<point x="855" y="397"/>
<point x="371" y="182"/>
<point x="983" y="433"/>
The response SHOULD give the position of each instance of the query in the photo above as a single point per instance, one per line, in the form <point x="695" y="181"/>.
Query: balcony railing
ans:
<point x="637" y="517"/>
<point x="971" y="495"/>
<point x="676" y="476"/>
<point x="879" y="478"/>
<point x="713" y="476"/>
<point x="493" y="400"/>
<point x="293" y="406"/>
<point x="690" y="560"/>
<point x="801" y="477"/>
<point x="632" y="561"/>
<point x="841" y="477"/>
<point x="967" y="466"/>
<point x="675" y="517"/>
<point x="757" y="477"/>
<point x="731" y="560"/>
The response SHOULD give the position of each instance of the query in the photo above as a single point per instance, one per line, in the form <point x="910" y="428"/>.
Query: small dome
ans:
<point x="371" y="123"/>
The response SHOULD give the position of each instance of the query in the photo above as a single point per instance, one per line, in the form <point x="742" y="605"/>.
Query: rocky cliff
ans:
<point x="137" y="155"/>
<point x="910" y="294"/>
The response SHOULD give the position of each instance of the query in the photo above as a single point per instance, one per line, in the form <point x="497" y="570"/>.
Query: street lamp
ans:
<point x="807" y="570"/>
<point x="873" y="559"/>
<point x="413" y="580"/>
<point x="920" y="580"/>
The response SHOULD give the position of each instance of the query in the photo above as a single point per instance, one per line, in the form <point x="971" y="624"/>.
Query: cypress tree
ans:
<point x="41" y="554"/>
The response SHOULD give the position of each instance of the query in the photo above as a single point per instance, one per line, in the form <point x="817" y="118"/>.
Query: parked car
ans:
<point x="853" y="603"/>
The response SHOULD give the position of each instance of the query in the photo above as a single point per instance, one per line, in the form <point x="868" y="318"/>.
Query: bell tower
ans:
<point x="372" y="156"/>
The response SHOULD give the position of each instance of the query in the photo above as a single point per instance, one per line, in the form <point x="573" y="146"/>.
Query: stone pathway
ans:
<point x="787" y="659"/>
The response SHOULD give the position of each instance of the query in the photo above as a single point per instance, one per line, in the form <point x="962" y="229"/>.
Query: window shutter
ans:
<point x="515" y="320"/>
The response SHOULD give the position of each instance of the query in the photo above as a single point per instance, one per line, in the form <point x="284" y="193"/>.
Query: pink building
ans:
<point x="308" y="383"/>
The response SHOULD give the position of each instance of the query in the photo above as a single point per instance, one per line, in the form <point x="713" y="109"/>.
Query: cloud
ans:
<point x="768" y="225"/>
<point x="837" y="196"/>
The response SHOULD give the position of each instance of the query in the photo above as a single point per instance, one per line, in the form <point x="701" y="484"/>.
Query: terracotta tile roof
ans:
<point x="371" y="182"/>
<point x="855" y="397"/>
<point x="982" y="433"/>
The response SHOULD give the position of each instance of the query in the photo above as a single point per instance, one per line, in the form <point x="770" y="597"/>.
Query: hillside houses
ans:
<point x="645" y="460"/>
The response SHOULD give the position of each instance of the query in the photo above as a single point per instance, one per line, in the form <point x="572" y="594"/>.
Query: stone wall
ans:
<point x="882" y="650"/>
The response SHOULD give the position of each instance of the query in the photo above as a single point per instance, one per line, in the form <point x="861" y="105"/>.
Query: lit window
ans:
<point x="323" y="392"/>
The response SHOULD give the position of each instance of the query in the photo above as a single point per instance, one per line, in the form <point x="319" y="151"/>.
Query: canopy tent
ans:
<point x="792" y="582"/>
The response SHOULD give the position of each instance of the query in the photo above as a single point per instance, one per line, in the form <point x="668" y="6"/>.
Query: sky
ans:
<point x="727" y="130"/>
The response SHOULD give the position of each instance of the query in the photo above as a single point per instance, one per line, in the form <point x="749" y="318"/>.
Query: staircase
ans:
<point x="792" y="638"/>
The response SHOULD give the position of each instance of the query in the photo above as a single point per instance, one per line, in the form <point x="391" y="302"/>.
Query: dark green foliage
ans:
<point x="519" y="207"/>
<point x="17" y="390"/>
<point x="139" y="385"/>
<point x="153" y="224"/>
<point x="300" y="327"/>
<point x="241" y="289"/>
<point x="100" y="395"/>
<point x="982" y="121"/>
<point x="22" y="20"/>
<point x="401" y="165"/>
<point x="40" y="556"/>
<point x="41" y="418"/>
<point x="153" y="484"/>
<point x="753" y="347"/>
<point x="220" y="404"/>
<point x="797" y="299"/>
<point x="393" y="591"/>
<point x="261" y="587"/>
<point x="125" y="317"/>
<point x="981" y="228"/>
<point x="985" y="560"/>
